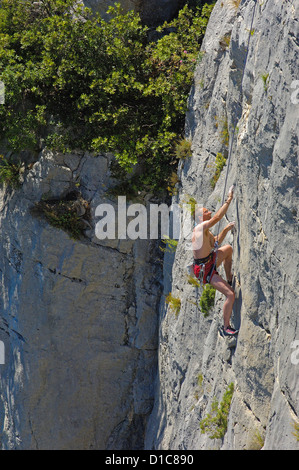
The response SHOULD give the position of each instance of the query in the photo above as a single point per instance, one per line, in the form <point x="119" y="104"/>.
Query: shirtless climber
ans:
<point x="203" y="251"/>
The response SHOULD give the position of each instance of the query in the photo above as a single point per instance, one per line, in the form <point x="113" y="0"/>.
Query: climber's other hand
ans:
<point x="231" y="226"/>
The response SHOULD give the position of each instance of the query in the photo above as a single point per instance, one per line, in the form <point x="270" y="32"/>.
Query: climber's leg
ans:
<point x="225" y="256"/>
<point x="222" y="286"/>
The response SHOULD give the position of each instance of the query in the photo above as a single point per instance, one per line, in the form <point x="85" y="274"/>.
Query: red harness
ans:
<point x="205" y="267"/>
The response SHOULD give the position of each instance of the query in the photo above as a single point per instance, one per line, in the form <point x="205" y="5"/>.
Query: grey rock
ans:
<point x="264" y="167"/>
<point x="78" y="320"/>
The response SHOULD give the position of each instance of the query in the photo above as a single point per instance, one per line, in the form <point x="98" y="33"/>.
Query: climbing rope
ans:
<point x="234" y="129"/>
<point x="241" y="89"/>
<point x="233" y="138"/>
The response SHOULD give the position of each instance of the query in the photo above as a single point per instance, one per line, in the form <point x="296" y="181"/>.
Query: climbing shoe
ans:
<point x="229" y="331"/>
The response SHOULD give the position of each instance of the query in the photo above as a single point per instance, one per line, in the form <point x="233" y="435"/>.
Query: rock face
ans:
<point x="78" y="320"/>
<point x="152" y="12"/>
<point x="196" y="364"/>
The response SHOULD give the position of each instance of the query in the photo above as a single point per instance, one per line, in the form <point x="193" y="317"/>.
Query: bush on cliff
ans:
<point x="73" y="80"/>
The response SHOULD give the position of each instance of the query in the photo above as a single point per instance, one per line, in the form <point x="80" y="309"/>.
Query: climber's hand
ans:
<point x="231" y="192"/>
<point x="230" y="226"/>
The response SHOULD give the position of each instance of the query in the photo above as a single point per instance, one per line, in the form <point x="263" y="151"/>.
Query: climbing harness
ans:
<point x="209" y="276"/>
<point x="230" y="150"/>
<point x="204" y="268"/>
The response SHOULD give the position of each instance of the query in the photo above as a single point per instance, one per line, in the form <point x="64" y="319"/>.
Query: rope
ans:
<point x="233" y="133"/>
<point x="241" y="89"/>
<point x="234" y="128"/>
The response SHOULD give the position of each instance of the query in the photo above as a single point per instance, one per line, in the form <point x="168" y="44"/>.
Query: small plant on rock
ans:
<point x="265" y="78"/>
<point x="257" y="441"/>
<point x="207" y="299"/>
<point x="192" y="204"/>
<point x="296" y="430"/>
<point x="10" y="172"/>
<point x="193" y="281"/>
<point x="219" y="164"/>
<point x="215" y="424"/>
<point x="183" y="149"/>
<point x="225" y="42"/>
<point x="235" y="3"/>
<point x="170" y="245"/>
<point x="70" y="214"/>
<point x="174" y="303"/>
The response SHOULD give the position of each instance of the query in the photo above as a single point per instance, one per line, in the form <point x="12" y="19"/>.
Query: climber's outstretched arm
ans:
<point x="219" y="238"/>
<point x="220" y="213"/>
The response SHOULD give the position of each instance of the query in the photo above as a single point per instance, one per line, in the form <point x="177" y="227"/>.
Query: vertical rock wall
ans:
<point x="196" y="364"/>
<point x="78" y="319"/>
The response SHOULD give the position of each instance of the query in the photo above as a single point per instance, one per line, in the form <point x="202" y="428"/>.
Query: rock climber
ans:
<point x="206" y="262"/>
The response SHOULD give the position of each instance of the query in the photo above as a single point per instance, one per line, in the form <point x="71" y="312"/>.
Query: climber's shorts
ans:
<point x="207" y="264"/>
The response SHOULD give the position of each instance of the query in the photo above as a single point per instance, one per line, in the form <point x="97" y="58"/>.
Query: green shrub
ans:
<point x="225" y="41"/>
<point x="296" y="430"/>
<point x="174" y="303"/>
<point x="207" y="299"/>
<point x="219" y="164"/>
<point x="235" y="3"/>
<point x="172" y="180"/>
<point x="200" y="380"/>
<point x="98" y="85"/>
<point x="257" y="441"/>
<point x="199" y="389"/>
<point x="191" y="201"/>
<point x="10" y="172"/>
<point x="265" y="78"/>
<point x="170" y="245"/>
<point x="70" y="214"/>
<point x="183" y="149"/>
<point x="193" y="281"/>
<point x="224" y="132"/>
<point x="215" y="424"/>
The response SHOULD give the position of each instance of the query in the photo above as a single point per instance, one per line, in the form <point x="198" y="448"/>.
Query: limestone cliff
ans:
<point x="93" y="360"/>
<point x="78" y="319"/>
<point x="196" y="364"/>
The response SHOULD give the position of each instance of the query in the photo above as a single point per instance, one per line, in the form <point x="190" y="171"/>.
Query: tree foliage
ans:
<point x="73" y="80"/>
